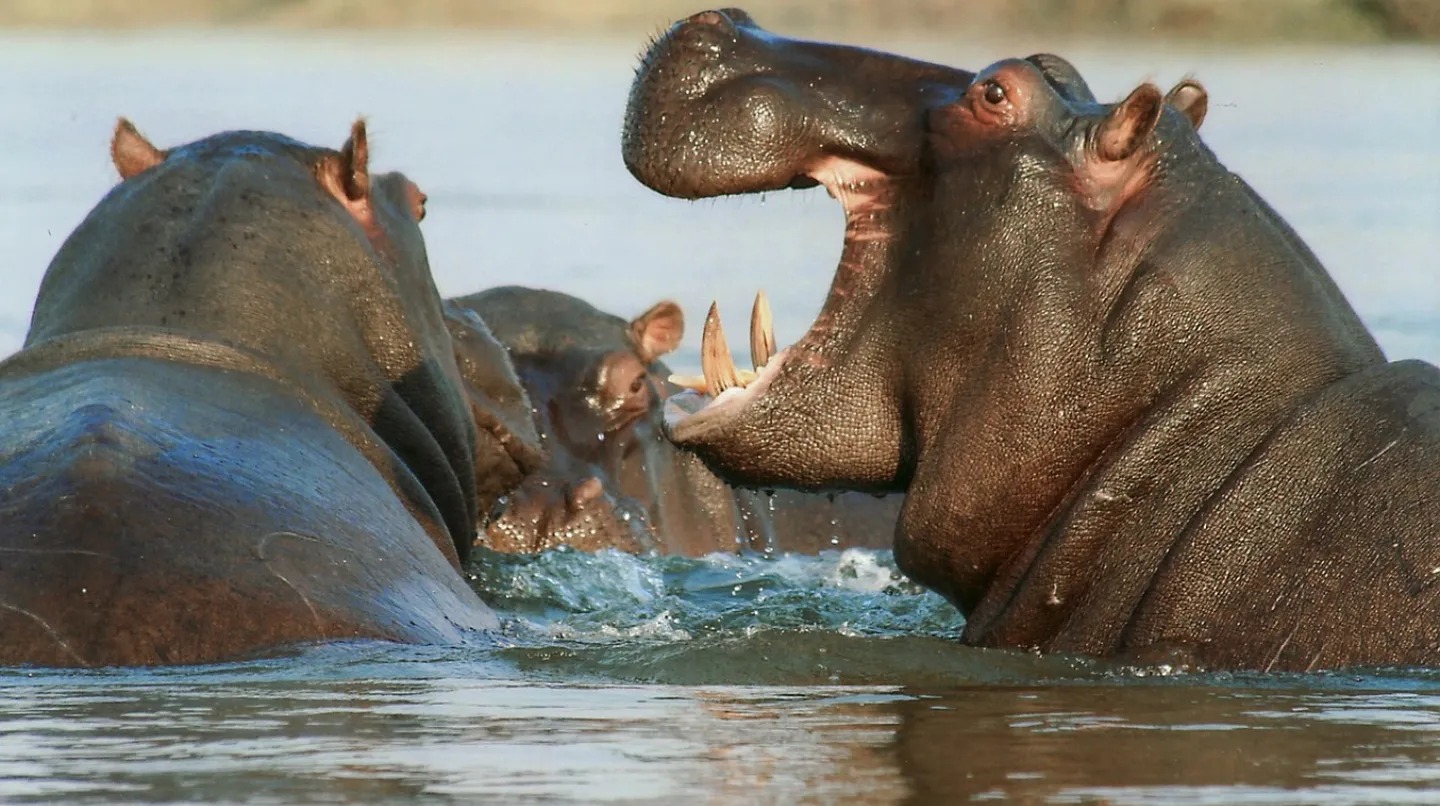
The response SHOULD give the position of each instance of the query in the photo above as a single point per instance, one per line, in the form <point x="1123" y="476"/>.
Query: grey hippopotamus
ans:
<point x="1134" y="416"/>
<point x="611" y="480"/>
<point x="237" y="422"/>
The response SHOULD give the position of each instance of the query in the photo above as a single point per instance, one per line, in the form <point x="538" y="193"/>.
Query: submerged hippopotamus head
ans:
<point x="610" y="478"/>
<point x="1042" y="304"/>
<point x="592" y="393"/>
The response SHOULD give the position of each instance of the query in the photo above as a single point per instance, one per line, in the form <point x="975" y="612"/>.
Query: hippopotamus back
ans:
<point x="237" y="420"/>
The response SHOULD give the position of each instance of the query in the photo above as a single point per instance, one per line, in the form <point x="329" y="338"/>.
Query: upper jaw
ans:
<point x="720" y="107"/>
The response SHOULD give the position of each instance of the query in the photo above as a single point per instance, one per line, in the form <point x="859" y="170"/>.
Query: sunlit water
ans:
<point x="723" y="679"/>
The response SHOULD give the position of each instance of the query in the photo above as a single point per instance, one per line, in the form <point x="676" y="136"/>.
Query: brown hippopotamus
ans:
<point x="237" y="422"/>
<point x="612" y="480"/>
<point x="1134" y="415"/>
<point x="510" y="448"/>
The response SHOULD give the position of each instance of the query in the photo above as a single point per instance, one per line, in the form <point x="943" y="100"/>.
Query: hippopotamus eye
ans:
<point x="994" y="93"/>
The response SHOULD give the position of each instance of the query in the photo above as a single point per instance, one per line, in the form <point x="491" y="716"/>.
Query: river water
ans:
<point x="796" y="679"/>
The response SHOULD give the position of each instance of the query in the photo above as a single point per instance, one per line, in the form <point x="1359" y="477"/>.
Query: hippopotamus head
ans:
<point x="354" y="316"/>
<point x="721" y="106"/>
<point x="888" y="138"/>
<point x="1040" y="299"/>
<point x="595" y="384"/>
<point x="611" y="480"/>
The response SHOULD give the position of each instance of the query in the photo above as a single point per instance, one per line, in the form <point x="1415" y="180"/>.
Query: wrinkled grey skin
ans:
<point x="508" y="449"/>
<point x="1134" y="415"/>
<point x="237" y="422"/>
<point x="611" y="479"/>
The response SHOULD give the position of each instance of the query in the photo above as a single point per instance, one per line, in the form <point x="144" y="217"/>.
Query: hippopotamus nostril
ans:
<point x="717" y="19"/>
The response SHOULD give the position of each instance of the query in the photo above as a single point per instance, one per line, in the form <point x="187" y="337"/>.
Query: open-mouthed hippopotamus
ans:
<point x="612" y="480"/>
<point x="1134" y="415"/>
<point x="237" y="422"/>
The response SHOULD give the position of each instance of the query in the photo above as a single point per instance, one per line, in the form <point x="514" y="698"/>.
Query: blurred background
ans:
<point x="508" y="114"/>
<point x="1227" y="19"/>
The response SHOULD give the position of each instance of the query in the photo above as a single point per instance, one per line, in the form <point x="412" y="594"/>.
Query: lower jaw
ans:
<point x="867" y="198"/>
<point x="689" y="414"/>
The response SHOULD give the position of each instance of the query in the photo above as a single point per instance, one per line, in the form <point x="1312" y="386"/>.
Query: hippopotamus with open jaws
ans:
<point x="611" y="479"/>
<point x="237" y="422"/>
<point x="1134" y="415"/>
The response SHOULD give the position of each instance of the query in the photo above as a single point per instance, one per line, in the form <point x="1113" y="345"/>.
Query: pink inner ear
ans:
<point x="131" y="152"/>
<point x="355" y="158"/>
<point x="659" y="330"/>
<point x="334" y="174"/>
<point x="1130" y="123"/>
<point x="1191" y="100"/>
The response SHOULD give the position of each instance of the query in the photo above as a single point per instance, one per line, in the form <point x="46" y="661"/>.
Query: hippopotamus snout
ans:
<point x="751" y="111"/>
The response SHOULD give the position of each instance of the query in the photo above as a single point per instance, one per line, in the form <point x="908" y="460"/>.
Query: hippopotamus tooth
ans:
<point x="762" y="332"/>
<point x="715" y="361"/>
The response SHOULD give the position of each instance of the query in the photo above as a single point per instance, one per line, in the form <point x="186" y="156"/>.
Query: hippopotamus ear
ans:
<point x="1190" y="99"/>
<point x="131" y="152"/>
<point x="347" y="176"/>
<point x="658" y="331"/>
<point x="1129" y="123"/>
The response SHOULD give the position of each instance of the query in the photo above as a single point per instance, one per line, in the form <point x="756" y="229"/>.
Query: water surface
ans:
<point x="769" y="680"/>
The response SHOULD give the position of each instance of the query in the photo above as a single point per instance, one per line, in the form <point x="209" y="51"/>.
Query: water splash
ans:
<point x="837" y="616"/>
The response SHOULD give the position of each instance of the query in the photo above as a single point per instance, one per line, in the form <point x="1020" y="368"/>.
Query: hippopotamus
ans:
<point x="510" y="448"/>
<point x="1134" y="416"/>
<point x="237" y="423"/>
<point x="611" y="480"/>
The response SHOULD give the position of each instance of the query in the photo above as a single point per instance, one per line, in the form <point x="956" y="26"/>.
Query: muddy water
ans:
<point x="818" y="679"/>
